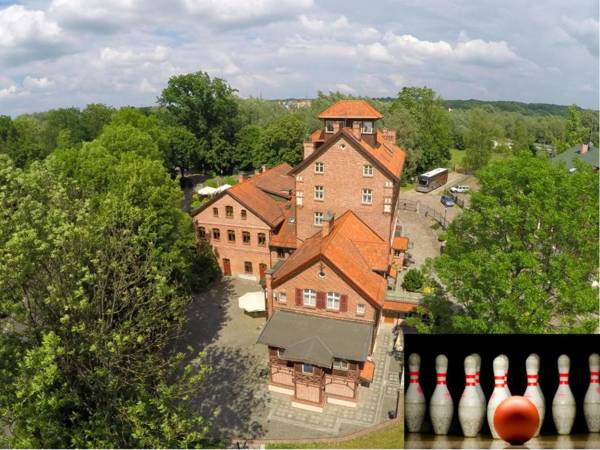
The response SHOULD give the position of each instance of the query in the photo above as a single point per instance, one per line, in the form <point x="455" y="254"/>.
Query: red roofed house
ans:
<point x="322" y="235"/>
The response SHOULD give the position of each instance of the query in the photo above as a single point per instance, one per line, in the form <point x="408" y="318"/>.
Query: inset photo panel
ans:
<point x="493" y="391"/>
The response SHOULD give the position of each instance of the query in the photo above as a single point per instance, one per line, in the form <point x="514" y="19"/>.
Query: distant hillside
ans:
<point x="532" y="109"/>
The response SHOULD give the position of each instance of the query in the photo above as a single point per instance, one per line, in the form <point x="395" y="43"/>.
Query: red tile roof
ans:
<point x="400" y="243"/>
<point x="259" y="193"/>
<point x="353" y="248"/>
<point x="391" y="305"/>
<point x="368" y="371"/>
<point x="285" y="235"/>
<point x="351" y="109"/>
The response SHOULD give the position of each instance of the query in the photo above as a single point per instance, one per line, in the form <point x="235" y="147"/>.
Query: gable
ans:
<point x="351" y="145"/>
<point x="205" y="215"/>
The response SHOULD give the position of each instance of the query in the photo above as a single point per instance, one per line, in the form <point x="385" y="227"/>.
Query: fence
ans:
<point x="460" y="202"/>
<point x="440" y="218"/>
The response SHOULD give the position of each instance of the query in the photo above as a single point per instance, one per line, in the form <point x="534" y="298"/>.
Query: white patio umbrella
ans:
<point x="252" y="302"/>
<point x="207" y="191"/>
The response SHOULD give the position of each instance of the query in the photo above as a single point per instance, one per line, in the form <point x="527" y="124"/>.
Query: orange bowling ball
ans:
<point x="516" y="419"/>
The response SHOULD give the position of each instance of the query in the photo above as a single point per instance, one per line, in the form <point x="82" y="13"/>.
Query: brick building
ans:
<point x="322" y="237"/>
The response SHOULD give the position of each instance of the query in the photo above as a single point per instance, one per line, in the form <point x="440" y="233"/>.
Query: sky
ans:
<point x="63" y="53"/>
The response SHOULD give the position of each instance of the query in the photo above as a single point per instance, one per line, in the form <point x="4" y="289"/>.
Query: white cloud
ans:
<point x="585" y="32"/>
<point x="37" y="83"/>
<point x="9" y="91"/>
<point x="480" y="52"/>
<point x="376" y="52"/>
<point x="27" y="35"/>
<point x="345" y="89"/>
<point x="127" y="57"/>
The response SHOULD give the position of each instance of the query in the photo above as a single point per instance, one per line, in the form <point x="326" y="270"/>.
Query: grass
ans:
<point x="408" y="187"/>
<point x="219" y="181"/>
<point x="391" y="437"/>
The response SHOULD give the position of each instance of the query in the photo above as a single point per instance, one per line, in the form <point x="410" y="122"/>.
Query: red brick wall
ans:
<point x="343" y="181"/>
<point x="309" y="279"/>
<point x="237" y="252"/>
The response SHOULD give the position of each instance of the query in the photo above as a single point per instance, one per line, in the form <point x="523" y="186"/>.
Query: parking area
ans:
<point x="236" y="388"/>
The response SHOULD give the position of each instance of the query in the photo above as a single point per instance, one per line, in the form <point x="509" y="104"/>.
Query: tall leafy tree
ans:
<point x="93" y="269"/>
<point x="478" y="139"/>
<point x="281" y="142"/>
<point x="522" y="258"/>
<point x="209" y="109"/>
<point x="575" y="134"/>
<point x="430" y="114"/>
<point x="180" y="149"/>
<point x="93" y="118"/>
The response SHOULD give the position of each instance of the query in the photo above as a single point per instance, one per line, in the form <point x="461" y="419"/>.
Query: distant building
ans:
<point x="586" y="153"/>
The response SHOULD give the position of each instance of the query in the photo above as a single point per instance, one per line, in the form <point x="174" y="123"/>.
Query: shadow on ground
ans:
<point x="232" y="393"/>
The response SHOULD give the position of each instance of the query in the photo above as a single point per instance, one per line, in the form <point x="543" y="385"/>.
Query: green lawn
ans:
<point x="391" y="437"/>
<point x="408" y="187"/>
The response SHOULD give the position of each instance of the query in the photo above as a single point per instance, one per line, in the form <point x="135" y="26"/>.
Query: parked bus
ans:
<point x="432" y="180"/>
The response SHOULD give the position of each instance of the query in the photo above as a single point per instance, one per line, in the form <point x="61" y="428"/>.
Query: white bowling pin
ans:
<point x="470" y="409"/>
<point x="414" y="400"/>
<point x="441" y="406"/>
<point x="479" y="390"/>
<point x="506" y="388"/>
<point x="533" y="391"/>
<point x="591" y="401"/>
<point x="499" y="393"/>
<point x="563" y="404"/>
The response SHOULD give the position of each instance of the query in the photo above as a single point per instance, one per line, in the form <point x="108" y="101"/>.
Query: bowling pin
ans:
<point x="533" y="391"/>
<point x="591" y="401"/>
<point x="471" y="410"/>
<point x="441" y="406"/>
<point x="414" y="400"/>
<point x="479" y="390"/>
<point x="499" y="393"/>
<point x="563" y="404"/>
<point x="506" y="388"/>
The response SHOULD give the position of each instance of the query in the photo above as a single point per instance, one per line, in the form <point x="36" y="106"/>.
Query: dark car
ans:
<point x="447" y="201"/>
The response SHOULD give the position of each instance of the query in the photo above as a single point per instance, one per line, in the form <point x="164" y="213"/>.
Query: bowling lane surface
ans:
<point x="575" y="441"/>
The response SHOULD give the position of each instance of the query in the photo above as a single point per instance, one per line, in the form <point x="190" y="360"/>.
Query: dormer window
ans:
<point x="367" y="127"/>
<point x="329" y="126"/>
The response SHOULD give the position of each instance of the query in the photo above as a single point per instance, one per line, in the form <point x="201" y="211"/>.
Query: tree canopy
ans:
<point x="522" y="258"/>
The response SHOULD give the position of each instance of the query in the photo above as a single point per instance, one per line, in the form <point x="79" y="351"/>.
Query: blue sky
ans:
<point x="72" y="52"/>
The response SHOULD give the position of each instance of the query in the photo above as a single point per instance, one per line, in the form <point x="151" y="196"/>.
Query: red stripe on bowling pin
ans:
<point x="441" y="378"/>
<point x="594" y="377"/>
<point x="532" y="380"/>
<point x="414" y="376"/>
<point x="564" y="378"/>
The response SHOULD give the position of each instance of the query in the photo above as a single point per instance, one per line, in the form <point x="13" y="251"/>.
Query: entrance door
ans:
<point x="226" y="267"/>
<point x="262" y="268"/>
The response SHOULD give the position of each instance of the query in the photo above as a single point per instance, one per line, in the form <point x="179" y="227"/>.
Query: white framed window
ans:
<point x="367" y="127"/>
<point x="319" y="167"/>
<point x="307" y="368"/>
<point x="389" y="184"/>
<point x="367" y="170"/>
<point x="329" y="126"/>
<point x="318" y="219"/>
<point x="319" y="193"/>
<point x="299" y="197"/>
<point x="309" y="297"/>
<point x="340" y="364"/>
<point x="387" y="200"/>
<point x="360" y="309"/>
<point x="367" y="196"/>
<point x="282" y="297"/>
<point x="298" y="177"/>
<point x="387" y="208"/>
<point x="333" y="301"/>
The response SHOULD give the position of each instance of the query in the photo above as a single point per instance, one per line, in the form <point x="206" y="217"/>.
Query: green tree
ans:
<point x="413" y="280"/>
<point x="575" y="134"/>
<point x="281" y="142"/>
<point x="180" y="149"/>
<point x="522" y="257"/>
<point x="209" y="109"/>
<point x="93" y="118"/>
<point x="28" y="145"/>
<point x="248" y="146"/>
<point x="93" y="304"/>
<point x="433" y="138"/>
<point x="478" y="139"/>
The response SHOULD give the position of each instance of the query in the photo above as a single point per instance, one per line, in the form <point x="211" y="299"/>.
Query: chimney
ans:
<point x="336" y="127"/>
<point x="327" y="223"/>
<point x="584" y="149"/>
<point x="356" y="129"/>
<point x="243" y="176"/>
<point x="389" y="135"/>
<point x="309" y="148"/>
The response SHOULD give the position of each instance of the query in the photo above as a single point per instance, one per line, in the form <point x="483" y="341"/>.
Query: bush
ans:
<point x="413" y="280"/>
<point x="442" y="237"/>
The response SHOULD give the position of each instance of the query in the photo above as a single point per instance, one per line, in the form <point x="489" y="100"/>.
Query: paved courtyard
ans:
<point x="236" y="389"/>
